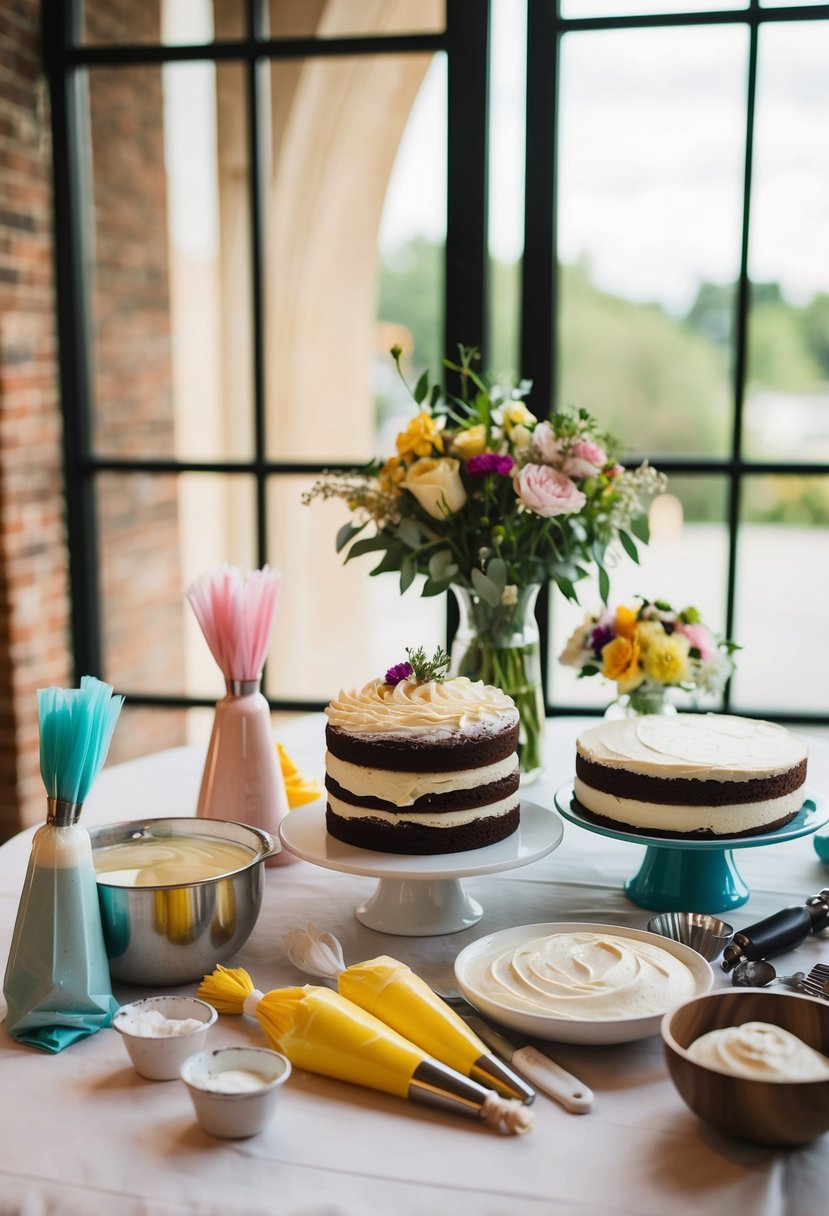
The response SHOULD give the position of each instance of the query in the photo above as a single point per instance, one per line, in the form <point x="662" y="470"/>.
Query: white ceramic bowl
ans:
<point x="160" y="1058"/>
<point x="233" y="1116"/>
<point x="567" y="1030"/>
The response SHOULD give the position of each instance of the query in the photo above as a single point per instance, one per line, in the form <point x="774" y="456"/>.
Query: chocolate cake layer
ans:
<point x="455" y="800"/>
<point x="414" y="754"/>
<point x="413" y="838"/>
<point x="687" y="791"/>
<point x="698" y="834"/>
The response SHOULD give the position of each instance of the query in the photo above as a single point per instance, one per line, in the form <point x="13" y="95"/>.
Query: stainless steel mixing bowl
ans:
<point x="169" y="935"/>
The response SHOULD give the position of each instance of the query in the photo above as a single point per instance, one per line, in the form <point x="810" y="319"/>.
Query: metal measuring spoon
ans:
<point x="760" y="974"/>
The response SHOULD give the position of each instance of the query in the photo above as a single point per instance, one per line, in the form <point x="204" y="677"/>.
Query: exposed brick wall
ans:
<point x="34" y="611"/>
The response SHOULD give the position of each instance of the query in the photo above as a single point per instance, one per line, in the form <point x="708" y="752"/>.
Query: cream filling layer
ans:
<point x="426" y="819"/>
<point x="725" y="820"/>
<point x="404" y="788"/>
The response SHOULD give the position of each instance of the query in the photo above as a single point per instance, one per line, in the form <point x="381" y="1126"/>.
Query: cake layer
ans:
<point x="449" y="752"/>
<point x="414" y="837"/>
<point x="690" y="791"/>
<point x="400" y="788"/>
<point x="651" y="819"/>
<point x="440" y="820"/>
<point x="456" y="800"/>
<point x="715" y="747"/>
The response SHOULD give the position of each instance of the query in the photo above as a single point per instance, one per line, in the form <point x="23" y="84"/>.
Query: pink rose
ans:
<point x="545" y="447"/>
<point x="586" y="459"/>
<point x="700" y="637"/>
<point x="546" y="491"/>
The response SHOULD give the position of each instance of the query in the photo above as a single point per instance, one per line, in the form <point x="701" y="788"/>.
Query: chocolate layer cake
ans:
<point x="422" y="767"/>
<point x="698" y="775"/>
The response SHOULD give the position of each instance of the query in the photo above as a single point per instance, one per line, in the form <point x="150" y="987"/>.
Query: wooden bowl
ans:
<point x="767" y="1112"/>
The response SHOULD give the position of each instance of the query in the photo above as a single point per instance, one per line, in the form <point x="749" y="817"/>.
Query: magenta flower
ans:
<point x="489" y="462"/>
<point x="400" y="671"/>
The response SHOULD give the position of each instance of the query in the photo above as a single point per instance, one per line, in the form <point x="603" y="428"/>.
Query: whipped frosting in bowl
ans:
<point x="760" y="1051"/>
<point x="578" y="982"/>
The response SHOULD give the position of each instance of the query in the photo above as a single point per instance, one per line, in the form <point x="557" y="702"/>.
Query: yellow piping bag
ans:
<point x="321" y="1031"/>
<point x="393" y="993"/>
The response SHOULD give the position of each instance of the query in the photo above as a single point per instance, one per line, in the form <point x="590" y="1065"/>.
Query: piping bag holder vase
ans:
<point x="57" y="983"/>
<point x="242" y="779"/>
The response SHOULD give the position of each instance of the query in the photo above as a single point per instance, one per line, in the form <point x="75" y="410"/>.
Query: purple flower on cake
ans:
<point x="489" y="462"/>
<point x="400" y="671"/>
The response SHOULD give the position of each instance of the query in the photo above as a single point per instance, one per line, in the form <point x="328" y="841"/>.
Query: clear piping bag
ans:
<point x="322" y="1032"/>
<point x="57" y="984"/>
<point x="392" y="992"/>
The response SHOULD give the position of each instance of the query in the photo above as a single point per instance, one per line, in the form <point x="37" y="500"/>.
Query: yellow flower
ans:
<point x="421" y="436"/>
<point x="666" y="659"/>
<point x="437" y="486"/>
<point x="471" y="442"/>
<point x="625" y="622"/>
<point x="649" y="633"/>
<point x="620" y="662"/>
<point x="517" y="414"/>
<point x="391" y="475"/>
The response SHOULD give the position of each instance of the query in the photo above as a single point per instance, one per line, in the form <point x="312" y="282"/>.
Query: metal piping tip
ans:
<point x="242" y="688"/>
<point x="435" y="1084"/>
<point x="493" y="1073"/>
<point x="60" y="814"/>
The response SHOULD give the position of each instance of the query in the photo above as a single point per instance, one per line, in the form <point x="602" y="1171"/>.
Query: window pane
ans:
<point x="170" y="288"/>
<point x="341" y="18"/>
<point x="624" y="8"/>
<point x="782" y="588"/>
<point x="169" y="22"/>
<point x="156" y="534"/>
<point x="650" y="179"/>
<point x="358" y="160"/>
<point x="507" y="134"/>
<point x="337" y="627"/>
<point x="685" y="563"/>
<point x="787" y="407"/>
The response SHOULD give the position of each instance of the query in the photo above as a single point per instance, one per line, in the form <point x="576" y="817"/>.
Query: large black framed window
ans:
<point x="741" y="475"/>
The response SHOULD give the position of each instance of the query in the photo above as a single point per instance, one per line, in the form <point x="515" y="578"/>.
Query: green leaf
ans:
<point x="408" y="531"/>
<point x="629" y="547"/>
<point x="486" y="589"/>
<point x="408" y="569"/>
<point x="371" y="544"/>
<point x="433" y="587"/>
<point x="346" y="533"/>
<point x="438" y="563"/>
<point x="496" y="572"/>
<point x="641" y="528"/>
<point x="421" y="388"/>
<point x="566" y="587"/>
<point x="393" y="560"/>
<point x="604" y="585"/>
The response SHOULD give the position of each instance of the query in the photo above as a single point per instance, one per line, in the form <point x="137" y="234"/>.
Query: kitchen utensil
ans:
<point x="782" y="931"/>
<point x="159" y="1057"/>
<point x="703" y="933"/>
<point x="234" y="1115"/>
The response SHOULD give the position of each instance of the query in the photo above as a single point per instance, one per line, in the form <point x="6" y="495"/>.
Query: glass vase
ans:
<point x="646" y="699"/>
<point x="499" y="644"/>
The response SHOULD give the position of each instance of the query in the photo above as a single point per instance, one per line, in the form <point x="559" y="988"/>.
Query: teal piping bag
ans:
<point x="57" y="984"/>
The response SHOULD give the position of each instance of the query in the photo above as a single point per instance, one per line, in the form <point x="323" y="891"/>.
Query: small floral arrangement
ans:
<point x="647" y="648"/>
<point x="483" y="494"/>
<point x="419" y="667"/>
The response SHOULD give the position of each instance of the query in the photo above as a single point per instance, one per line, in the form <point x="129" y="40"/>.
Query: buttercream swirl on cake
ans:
<point x="687" y="745"/>
<point x="584" y="976"/>
<point x="411" y="706"/>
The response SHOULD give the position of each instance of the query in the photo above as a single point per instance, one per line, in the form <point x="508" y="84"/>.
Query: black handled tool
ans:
<point x="779" y="932"/>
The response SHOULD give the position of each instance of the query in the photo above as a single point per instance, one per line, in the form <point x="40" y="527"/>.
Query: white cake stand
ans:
<point x="420" y="896"/>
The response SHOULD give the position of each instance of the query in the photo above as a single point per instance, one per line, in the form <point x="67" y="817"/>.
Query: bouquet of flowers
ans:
<point x="648" y="648"/>
<point x="484" y="497"/>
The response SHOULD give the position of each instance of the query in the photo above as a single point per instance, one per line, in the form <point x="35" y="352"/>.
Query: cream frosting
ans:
<point x="403" y="788"/>
<point x="729" y="820"/>
<point x="760" y="1051"/>
<point x="713" y="747"/>
<point x="426" y="819"/>
<point x="410" y="707"/>
<point x="582" y="976"/>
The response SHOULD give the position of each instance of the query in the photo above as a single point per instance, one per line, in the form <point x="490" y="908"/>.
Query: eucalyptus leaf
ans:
<point x="485" y="588"/>
<point x="438" y="563"/>
<point x="408" y="570"/>
<point x="409" y="532"/>
<point x="496" y="572"/>
<point x="641" y="528"/>
<point x="393" y="560"/>
<point x="604" y="585"/>
<point x="346" y="533"/>
<point x="629" y="546"/>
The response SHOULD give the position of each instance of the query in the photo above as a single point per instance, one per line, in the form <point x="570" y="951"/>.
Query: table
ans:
<point x="83" y="1134"/>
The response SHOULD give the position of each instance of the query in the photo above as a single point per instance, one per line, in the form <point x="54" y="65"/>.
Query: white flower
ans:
<point x="520" y="437"/>
<point x="712" y="673"/>
<point x="509" y="595"/>
<point x="577" y="651"/>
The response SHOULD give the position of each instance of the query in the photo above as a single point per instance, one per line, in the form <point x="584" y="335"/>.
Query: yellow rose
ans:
<point x="421" y="436"/>
<point x="517" y="414"/>
<point x="620" y="662"/>
<point x="649" y="633"/>
<point x="666" y="660"/>
<point x="471" y="442"/>
<point x="391" y="475"/>
<point x="437" y="486"/>
<point x="625" y="623"/>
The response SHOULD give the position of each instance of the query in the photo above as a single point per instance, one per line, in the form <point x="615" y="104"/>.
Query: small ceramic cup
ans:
<point x="160" y="1057"/>
<point x="235" y="1089"/>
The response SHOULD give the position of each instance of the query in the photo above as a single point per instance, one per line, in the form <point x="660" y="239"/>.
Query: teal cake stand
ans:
<point x="683" y="875"/>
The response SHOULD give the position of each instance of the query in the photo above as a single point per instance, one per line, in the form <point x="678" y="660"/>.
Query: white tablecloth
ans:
<point x="83" y="1134"/>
